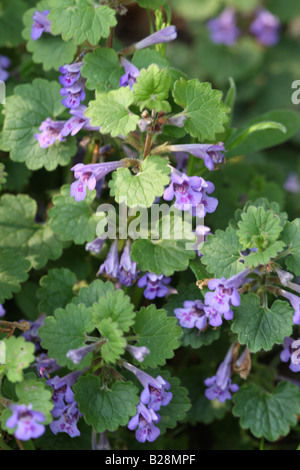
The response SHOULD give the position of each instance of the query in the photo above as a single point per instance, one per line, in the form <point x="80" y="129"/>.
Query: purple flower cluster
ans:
<point x="212" y="155"/>
<point x="291" y="352"/>
<point x="156" y="285"/>
<point x="223" y="29"/>
<point x="220" y="386"/>
<point x="266" y="28"/>
<point x="192" y="315"/>
<point x="125" y="270"/>
<point x="154" y="396"/>
<point x="4" y="64"/>
<point x="26" y="421"/>
<point x="73" y="85"/>
<point x="32" y="334"/>
<point x="41" y="24"/>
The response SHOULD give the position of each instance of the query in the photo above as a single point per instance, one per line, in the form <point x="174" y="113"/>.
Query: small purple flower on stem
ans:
<point x="290" y="352"/>
<point x="77" y="122"/>
<point x="219" y="386"/>
<point x="138" y="353"/>
<point x="88" y="175"/>
<point x="46" y="365"/>
<point x="186" y="190"/>
<point x="2" y="311"/>
<point x="32" y="335"/>
<point x="110" y="267"/>
<point x="128" y="272"/>
<point x="156" y="285"/>
<point x="51" y="132"/>
<point x="76" y="355"/>
<point x="4" y="64"/>
<point x="223" y="29"/>
<point x="67" y="421"/>
<point x="164" y="35"/>
<point x="295" y="303"/>
<point x="131" y="74"/>
<point x="95" y="246"/>
<point x="144" y="422"/>
<point x="27" y="421"/>
<point x="70" y="74"/>
<point x="192" y="315"/>
<point x="41" y="24"/>
<point x="266" y="28"/>
<point x="73" y="94"/>
<point x="211" y="154"/>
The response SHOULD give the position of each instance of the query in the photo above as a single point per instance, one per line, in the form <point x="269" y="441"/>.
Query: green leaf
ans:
<point x="146" y="57"/>
<point x="143" y="188"/>
<point x="266" y="414"/>
<point x="111" y="112"/>
<point x="71" y="219"/>
<point x="152" y="89"/>
<point x="231" y="99"/>
<point x="67" y="330"/>
<point x="56" y="290"/>
<point x="103" y="408"/>
<point x="221" y="253"/>
<point x="102" y="70"/>
<point x="19" y="356"/>
<point x="203" y="106"/>
<point x="114" y="345"/>
<point x="3" y="175"/>
<point x="291" y="237"/>
<point x="153" y="4"/>
<point x="239" y="137"/>
<point x="34" y="391"/>
<point x="19" y="231"/>
<point x="30" y="105"/>
<point x="50" y="51"/>
<point x="93" y="293"/>
<point x="158" y="333"/>
<point x="115" y="305"/>
<point x="81" y="20"/>
<point x="13" y="271"/>
<point x="262" y="327"/>
<point x="11" y="13"/>
<point x="263" y="257"/>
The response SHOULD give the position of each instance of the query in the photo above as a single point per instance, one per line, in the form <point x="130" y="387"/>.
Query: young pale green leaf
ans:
<point x="56" y="290"/>
<point x="152" y="89"/>
<point x="93" y="293"/>
<point x="19" y="354"/>
<point x="143" y="188"/>
<point x="65" y="331"/>
<point x="158" y="333"/>
<point x="262" y="327"/>
<point x="81" y="20"/>
<point x="73" y="220"/>
<point x="115" y="305"/>
<point x="114" y="345"/>
<point x="204" y="107"/>
<point x="37" y="242"/>
<point x="258" y="228"/>
<point x="25" y="111"/>
<point x="222" y="253"/>
<point x="105" y="408"/>
<point x="34" y="391"/>
<point x="291" y="237"/>
<point x="102" y="70"/>
<point x="111" y="112"/>
<point x="50" y="51"/>
<point x="13" y="271"/>
<point x="267" y="414"/>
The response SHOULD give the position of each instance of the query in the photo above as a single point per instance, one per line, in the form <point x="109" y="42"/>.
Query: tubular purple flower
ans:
<point x="156" y="285"/>
<point x="192" y="315"/>
<point x="178" y="120"/>
<point x="63" y="394"/>
<point x="201" y="233"/>
<point x="164" y="35"/>
<point x="32" y="334"/>
<point x="2" y="311"/>
<point x="266" y="28"/>
<point x="128" y="272"/>
<point x="88" y="175"/>
<point x="131" y="74"/>
<point x="292" y="183"/>
<point x="291" y="349"/>
<point x="46" y="365"/>
<point x="77" y="122"/>
<point x="210" y="153"/>
<point x="295" y="303"/>
<point x="67" y="421"/>
<point x="73" y="94"/>
<point x="144" y="422"/>
<point x="186" y="190"/>
<point x="4" y="64"/>
<point x="223" y="29"/>
<point x="70" y="74"/>
<point x="27" y="421"/>
<point x="41" y="24"/>
<point x="138" y="353"/>
<point x="51" y="133"/>
<point x="219" y="386"/>
<point x="110" y="267"/>
<point x="76" y="355"/>
<point x="95" y="246"/>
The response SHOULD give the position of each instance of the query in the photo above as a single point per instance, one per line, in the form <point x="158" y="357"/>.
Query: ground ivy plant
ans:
<point x="120" y="338"/>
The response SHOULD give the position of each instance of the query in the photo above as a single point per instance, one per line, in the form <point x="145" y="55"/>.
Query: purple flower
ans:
<point x="88" y="175"/>
<point x="27" y="422"/>
<point x="110" y="267"/>
<point x="201" y="233"/>
<point x="70" y="74"/>
<point x="156" y="285"/>
<point x="76" y="355"/>
<point x="211" y="154"/>
<point x="266" y="28"/>
<point x="67" y="421"/>
<point x="290" y="352"/>
<point x="192" y="315"/>
<point x="182" y="159"/>
<point x="128" y="272"/>
<point x="178" y="120"/>
<point x="292" y="183"/>
<point x="186" y="190"/>
<point x="32" y="335"/>
<point x="219" y="386"/>
<point x="138" y="353"/>
<point x="208" y="204"/>
<point x="4" y="64"/>
<point x="215" y="317"/>
<point x="46" y="365"/>
<point x="131" y="74"/>
<point x="295" y="303"/>
<point x="164" y="35"/>
<point x="223" y="29"/>
<point x="74" y="94"/>
<point x="95" y="246"/>
<point x="41" y="24"/>
<point x="2" y="311"/>
<point x="51" y="132"/>
<point x="77" y="122"/>
<point x="144" y="422"/>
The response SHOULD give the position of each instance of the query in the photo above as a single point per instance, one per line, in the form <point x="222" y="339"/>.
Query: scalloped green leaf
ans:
<point x="19" y="355"/>
<point x="151" y="89"/>
<point x="114" y="345"/>
<point x="291" y="237"/>
<point x="102" y="70"/>
<point x="13" y="271"/>
<point x="115" y="305"/>
<point x="56" y="290"/>
<point x="93" y="293"/>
